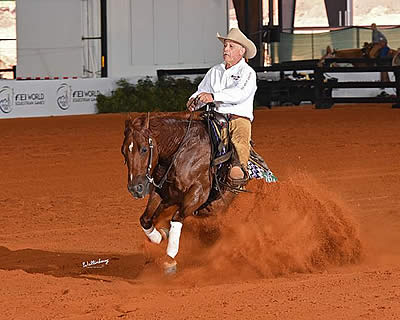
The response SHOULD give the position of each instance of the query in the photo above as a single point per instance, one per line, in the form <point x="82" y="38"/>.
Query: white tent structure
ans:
<point x="60" y="38"/>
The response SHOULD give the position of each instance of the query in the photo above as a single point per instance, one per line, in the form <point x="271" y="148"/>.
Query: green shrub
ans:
<point x="168" y="94"/>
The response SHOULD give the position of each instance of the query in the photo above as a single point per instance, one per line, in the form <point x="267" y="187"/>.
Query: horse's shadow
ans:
<point x="79" y="265"/>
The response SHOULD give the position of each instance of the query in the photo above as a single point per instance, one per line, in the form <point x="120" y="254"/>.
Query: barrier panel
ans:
<point x="323" y="102"/>
<point x="41" y="98"/>
<point x="319" y="86"/>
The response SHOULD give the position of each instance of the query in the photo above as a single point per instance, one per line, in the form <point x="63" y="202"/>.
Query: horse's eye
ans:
<point x="143" y="150"/>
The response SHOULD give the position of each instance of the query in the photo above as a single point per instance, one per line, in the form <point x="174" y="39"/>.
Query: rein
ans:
<point x="151" y="146"/>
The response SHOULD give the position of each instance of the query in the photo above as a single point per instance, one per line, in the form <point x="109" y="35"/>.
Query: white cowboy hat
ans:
<point x="237" y="36"/>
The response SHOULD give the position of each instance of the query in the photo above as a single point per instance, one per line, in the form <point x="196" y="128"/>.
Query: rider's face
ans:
<point x="233" y="53"/>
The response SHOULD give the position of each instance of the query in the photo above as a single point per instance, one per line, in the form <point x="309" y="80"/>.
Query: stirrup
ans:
<point x="238" y="182"/>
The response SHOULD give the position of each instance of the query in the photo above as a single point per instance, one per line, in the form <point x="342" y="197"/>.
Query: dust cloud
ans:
<point x="274" y="230"/>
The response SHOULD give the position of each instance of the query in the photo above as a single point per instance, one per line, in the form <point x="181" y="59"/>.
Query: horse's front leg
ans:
<point x="192" y="200"/>
<point x="153" y="209"/>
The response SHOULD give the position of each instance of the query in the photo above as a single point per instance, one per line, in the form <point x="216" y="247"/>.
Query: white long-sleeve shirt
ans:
<point x="233" y="88"/>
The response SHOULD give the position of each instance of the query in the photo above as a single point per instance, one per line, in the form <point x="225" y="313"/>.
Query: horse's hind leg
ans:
<point x="153" y="209"/>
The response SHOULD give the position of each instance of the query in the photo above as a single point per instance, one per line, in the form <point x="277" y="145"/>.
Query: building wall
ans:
<point x="143" y="36"/>
<point x="155" y="34"/>
<point x="49" y="38"/>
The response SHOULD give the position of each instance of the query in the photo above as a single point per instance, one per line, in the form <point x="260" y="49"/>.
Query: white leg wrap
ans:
<point x="173" y="240"/>
<point x="153" y="234"/>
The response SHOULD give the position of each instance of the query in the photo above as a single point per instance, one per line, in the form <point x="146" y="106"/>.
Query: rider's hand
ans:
<point x="190" y="105"/>
<point x="205" y="97"/>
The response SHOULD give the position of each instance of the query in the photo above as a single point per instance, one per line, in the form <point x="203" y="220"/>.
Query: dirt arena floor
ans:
<point x="322" y="243"/>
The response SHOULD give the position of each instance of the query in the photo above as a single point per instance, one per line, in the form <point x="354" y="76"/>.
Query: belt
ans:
<point x="234" y="117"/>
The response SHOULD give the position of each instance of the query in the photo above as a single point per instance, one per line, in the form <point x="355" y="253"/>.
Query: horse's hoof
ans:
<point x="170" y="268"/>
<point x="164" y="233"/>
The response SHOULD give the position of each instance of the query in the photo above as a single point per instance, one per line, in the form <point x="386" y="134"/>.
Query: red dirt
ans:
<point x="323" y="243"/>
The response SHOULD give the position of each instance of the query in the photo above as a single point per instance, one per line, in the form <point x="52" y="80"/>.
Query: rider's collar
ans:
<point x="235" y="66"/>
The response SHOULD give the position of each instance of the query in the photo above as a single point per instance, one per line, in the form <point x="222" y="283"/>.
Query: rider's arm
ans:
<point x="240" y="91"/>
<point x="382" y="37"/>
<point x="204" y="85"/>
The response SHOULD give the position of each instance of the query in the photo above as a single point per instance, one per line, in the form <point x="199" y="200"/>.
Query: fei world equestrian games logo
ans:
<point x="6" y="99"/>
<point x="63" y="96"/>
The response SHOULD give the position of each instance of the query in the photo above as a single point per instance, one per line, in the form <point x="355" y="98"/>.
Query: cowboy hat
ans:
<point x="237" y="36"/>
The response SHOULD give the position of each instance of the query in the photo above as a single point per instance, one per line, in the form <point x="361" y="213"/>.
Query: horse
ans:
<point x="169" y="158"/>
<point x="368" y="51"/>
<point x="174" y="151"/>
<point x="344" y="53"/>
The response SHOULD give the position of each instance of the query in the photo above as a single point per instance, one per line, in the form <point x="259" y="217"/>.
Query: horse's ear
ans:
<point x="128" y="126"/>
<point x="129" y="121"/>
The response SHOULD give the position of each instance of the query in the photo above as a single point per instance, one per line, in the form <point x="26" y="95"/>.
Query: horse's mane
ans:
<point x="165" y="125"/>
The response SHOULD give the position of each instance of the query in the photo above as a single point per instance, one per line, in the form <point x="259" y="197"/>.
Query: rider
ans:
<point x="231" y="86"/>
<point x="379" y="49"/>
<point x="379" y="43"/>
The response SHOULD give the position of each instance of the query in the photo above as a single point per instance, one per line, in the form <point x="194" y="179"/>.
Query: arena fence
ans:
<point x="323" y="101"/>
<point x="297" y="82"/>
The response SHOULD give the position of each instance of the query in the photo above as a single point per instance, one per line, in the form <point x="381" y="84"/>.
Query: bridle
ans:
<point x="149" y="178"/>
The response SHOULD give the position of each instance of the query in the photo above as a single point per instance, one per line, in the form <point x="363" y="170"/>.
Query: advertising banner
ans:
<point x="41" y="98"/>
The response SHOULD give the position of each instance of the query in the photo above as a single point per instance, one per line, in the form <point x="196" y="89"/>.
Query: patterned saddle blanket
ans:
<point x="256" y="166"/>
<point x="258" y="169"/>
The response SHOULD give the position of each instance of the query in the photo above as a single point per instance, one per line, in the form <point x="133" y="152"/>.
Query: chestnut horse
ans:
<point x="168" y="158"/>
<point x="369" y="51"/>
<point x="344" y="53"/>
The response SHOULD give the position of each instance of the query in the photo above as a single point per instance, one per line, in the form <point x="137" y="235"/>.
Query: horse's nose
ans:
<point x="139" y="188"/>
<point x="136" y="190"/>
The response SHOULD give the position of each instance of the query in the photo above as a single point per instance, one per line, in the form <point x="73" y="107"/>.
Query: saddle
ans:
<point x="223" y="153"/>
<point x="372" y="50"/>
<point x="221" y="150"/>
<point x="224" y="156"/>
<point x="366" y="49"/>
